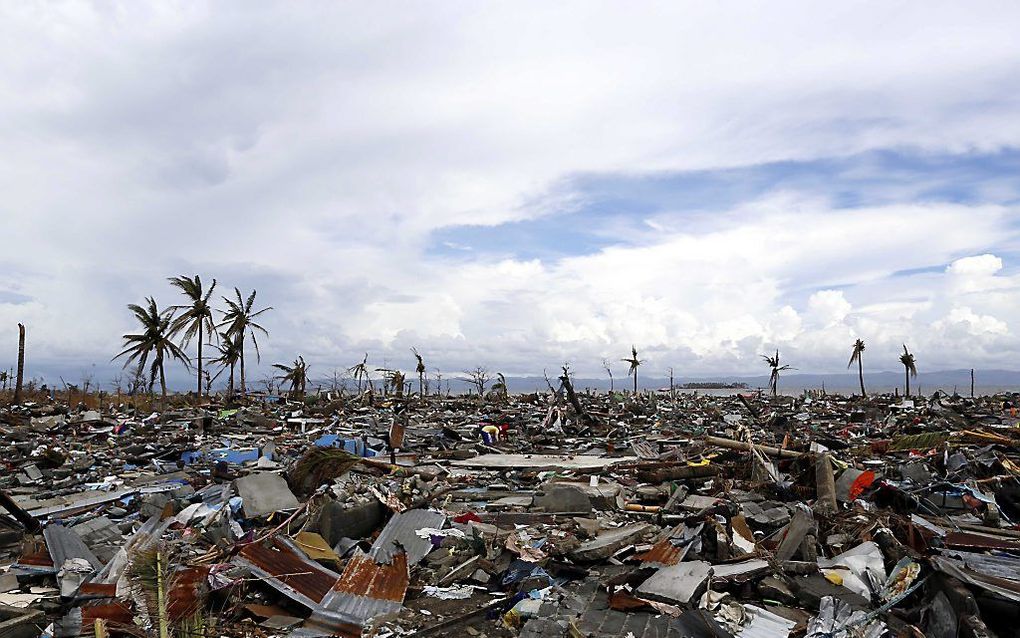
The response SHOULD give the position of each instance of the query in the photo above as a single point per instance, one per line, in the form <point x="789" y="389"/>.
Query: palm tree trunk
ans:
<point x="906" y="374"/>
<point x="860" y="374"/>
<point x="162" y="381"/>
<point x="242" y="365"/>
<point x="635" y="381"/>
<point x="21" y="363"/>
<point x="230" y="388"/>
<point x="199" y="361"/>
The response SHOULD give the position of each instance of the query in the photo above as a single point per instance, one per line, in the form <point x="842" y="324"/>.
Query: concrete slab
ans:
<point x="265" y="493"/>
<point x="677" y="584"/>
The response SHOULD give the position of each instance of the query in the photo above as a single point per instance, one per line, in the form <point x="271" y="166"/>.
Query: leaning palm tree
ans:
<point x="855" y="355"/>
<point x="154" y="340"/>
<point x="420" y="369"/>
<point x="909" y="366"/>
<point x="773" y="362"/>
<point x="360" y="373"/>
<point x="634" y="363"/>
<point x="229" y="349"/>
<point x="196" y="318"/>
<point x="239" y="318"/>
<point x="296" y="374"/>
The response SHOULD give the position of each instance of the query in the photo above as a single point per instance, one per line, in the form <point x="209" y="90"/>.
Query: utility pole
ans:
<point x="21" y="363"/>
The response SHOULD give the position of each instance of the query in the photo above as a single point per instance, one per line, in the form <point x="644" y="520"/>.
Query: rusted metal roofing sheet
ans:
<point x="980" y="541"/>
<point x="663" y="553"/>
<point x="290" y="573"/>
<point x="188" y="592"/>
<point x="364" y="577"/>
<point x="365" y="591"/>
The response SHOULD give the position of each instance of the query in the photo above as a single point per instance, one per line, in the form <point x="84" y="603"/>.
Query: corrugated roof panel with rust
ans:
<point x="289" y="572"/>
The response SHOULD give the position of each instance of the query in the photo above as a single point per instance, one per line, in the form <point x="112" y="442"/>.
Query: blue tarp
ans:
<point x="352" y="446"/>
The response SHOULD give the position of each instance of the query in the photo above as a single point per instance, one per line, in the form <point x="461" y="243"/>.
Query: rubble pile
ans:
<point x="553" y="514"/>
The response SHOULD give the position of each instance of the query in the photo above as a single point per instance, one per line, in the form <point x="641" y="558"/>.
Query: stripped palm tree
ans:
<point x="360" y="373"/>
<point x="909" y="366"/>
<point x="856" y="356"/>
<point x="196" y="318"/>
<point x="229" y="348"/>
<point x="420" y="369"/>
<point x="239" y="319"/>
<point x="296" y="374"/>
<point x="634" y="363"/>
<point x="773" y="362"/>
<point x="154" y="340"/>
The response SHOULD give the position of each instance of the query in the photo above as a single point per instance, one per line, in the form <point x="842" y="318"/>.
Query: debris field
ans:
<point x="563" y="513"/>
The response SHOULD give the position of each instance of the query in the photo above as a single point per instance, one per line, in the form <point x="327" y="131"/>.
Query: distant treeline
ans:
<point x="714" y="385"/>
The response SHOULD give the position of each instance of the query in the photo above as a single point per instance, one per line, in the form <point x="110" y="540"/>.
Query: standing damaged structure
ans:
<point x="661" y="514"/>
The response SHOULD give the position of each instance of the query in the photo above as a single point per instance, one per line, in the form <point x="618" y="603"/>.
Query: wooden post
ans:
<point x="21" y="363"/>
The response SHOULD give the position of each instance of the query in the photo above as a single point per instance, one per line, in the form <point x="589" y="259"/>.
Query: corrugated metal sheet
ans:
<point x="365" y="591"/>
<point x="1006" y="587"/>
<point x="663" y="553"/>
<point x="364" y="577"/>
<point x="187" y="592"/>
<point x="116" y="612"/>
<point x="400" y="535"/>
<point x="644" y="449"/>
<point x="1007" y="567"/>
<point x="63" y="543"/>
<point x="672" y="549"/>
<point x="980" y="541"/>
<point x="289" y="572"/>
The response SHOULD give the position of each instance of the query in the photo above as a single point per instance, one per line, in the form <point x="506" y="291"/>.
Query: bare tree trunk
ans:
<point x="860" y="374"/>
<point x="21" y="363"/>
<point x="972" y="383"/>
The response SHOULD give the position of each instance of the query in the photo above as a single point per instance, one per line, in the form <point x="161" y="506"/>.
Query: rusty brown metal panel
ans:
<point x="364" y="577"/>
<point x="292" y="570"/>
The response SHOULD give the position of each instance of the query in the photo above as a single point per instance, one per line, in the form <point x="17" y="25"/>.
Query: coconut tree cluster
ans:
<point x="165" y="334"/>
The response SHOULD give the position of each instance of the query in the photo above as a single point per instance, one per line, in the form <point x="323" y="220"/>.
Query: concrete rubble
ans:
<point x="548" y="514"/>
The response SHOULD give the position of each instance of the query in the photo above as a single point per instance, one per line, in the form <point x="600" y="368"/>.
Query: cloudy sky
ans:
<point x="519" y="184"/>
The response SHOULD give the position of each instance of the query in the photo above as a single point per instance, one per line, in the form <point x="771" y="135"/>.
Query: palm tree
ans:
<point x="240" y="321"/>
<point x="360" y="373"/>
<point x="609" y="371"/>
<point x="296" y="374"/>
<point x="229" y="348"/>
<point x="153" y="340"/>
<point x="420" y="369"/>
<point x="856" y="356"/>
<point x="197" y="316"/>
<point x="393" y="380"/>
<point x="909" y="366"/>
<point x="773" y="362"/>
<point x="634" y="363"/>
